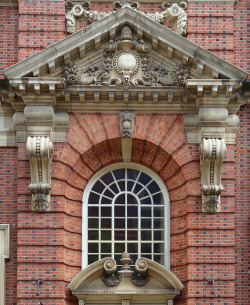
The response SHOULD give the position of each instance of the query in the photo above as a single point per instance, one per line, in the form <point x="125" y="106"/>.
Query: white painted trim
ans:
<point x="212" y="1"/>
<point x="107" y="169"/>
<point x="4" y="254"/>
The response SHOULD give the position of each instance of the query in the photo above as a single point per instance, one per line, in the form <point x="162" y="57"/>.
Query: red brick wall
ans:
<point x="8" y="214"/>
<point x="242" y="208"/>
<point x="8" y="37"/>
<point x="202" y="245"/>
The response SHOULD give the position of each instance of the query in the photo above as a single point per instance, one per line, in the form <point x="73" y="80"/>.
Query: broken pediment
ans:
<point x="146" y="281"/>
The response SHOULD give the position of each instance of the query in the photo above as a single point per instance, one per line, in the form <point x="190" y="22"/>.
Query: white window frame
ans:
<point x="89" y="187"/>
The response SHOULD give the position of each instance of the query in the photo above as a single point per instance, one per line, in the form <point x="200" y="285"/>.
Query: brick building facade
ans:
<point x="45" y="97"/>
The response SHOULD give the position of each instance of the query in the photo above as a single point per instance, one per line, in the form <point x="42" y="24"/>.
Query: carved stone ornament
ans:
<point x="126" y="63"/>
<point x="39" y="150"/>
<point x="171" y="11"/>
<point x="139" y="277"/>
<point x="212" y="153"/>
<point x="126" y="124"/>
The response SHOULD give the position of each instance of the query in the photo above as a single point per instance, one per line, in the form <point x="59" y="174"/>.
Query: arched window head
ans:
<point x="125" y="208"/>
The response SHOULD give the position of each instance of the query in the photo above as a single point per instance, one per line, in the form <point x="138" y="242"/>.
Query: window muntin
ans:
<point x="127" y="210"/>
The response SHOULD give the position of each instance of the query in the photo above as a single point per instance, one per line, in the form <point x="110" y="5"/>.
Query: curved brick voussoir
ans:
<point x="175" y="137"/>
<point x="93" y="126"/>
<point x="76" y="180"/>
<point x="77" y="137"/>
<point x="141" y="125"/>
<point x="60" y="170"/>
<point x="178" y="193"/>
<point x="111" y="125"/>
<point x="175" y="181"/>
<point x="149" y="153"/>
<point x="179" y="208"/>
<point x="178" y="224"/>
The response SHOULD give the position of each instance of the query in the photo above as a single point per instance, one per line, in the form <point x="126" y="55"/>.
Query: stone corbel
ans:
<point x="212" y="152"/>
<point x="39" y="150"/>
<point x="4" y="254"/>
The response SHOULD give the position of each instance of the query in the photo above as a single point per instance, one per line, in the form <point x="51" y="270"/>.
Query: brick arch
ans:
<point x="93" y="142"/>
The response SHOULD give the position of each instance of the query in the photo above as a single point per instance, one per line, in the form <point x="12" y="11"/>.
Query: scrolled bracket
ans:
<point x="140" y="276"/>
<point x="212" y="153"/>
<point x="39" y="150"/>
<point x="109" y="277"/>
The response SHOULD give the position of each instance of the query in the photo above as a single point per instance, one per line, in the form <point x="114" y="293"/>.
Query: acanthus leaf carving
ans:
<point x="171" y="11"/>
<point x="128" y="63"/>
<point x="212" y="153"/>
<point x="39" y="150"/>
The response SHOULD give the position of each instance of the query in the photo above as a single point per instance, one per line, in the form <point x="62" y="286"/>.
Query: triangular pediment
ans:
<point x="168" y="48"/>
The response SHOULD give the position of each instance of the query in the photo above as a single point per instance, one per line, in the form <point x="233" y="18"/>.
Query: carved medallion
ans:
<point x="126" y="63"/>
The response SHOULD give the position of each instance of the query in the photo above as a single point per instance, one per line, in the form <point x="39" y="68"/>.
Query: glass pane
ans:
<point x="132" y="235"/>
<point x="159" y="259"/>
<point x="158" y="211"/>
<point x="158" y="235"/>
<point x="146" y="201"/>
<point x="158" y="199"/>
<point x="144" y="179"/>
<point x="93" y="235"/>
<point x="108" y="194"/>
<point x="121" y="185"/>
<point x="107" y="178"/>
<point x="93" y="198"/>
<point x="146" y="248"/>
<point x="120" y="223"/>
<point x="93" y="211"/>
<point x="147" y="256"/>
<point x="106" y="211"/>
<point x="130" y="185"/>
<point x="131" y="199"/>
<point x="159" y="223"/>
<point x="119" y="248"/>
<point x="93" y="223"/>
<point x="146" y="212"/>
<point x="143" y="194"/>
<point x="153" y="187"/>
<point x="106" y="223"/>
<point x="92" y="259"/>
<point x="119" y="173"/>
<point x="105" y="248"/>
<point x="146" y="223"/>
<point x="105" y="235"/>
<point x="98" y="187"/>
<point x="132" y="173"/>
<point x="93" y="248"/>
<point x="146" y="235"/>
<point x="105" y="200"/>
<point x="132" y="223"/>
<point x="132" y="211"/>
<point x="120" y="199"/>
<point x="119" y="211"/>
<point x="114" y="188"/>
<point x="119" y="235"/>
<point x="132" y="248"/>
<point x="137" y="188"/>
<point x="158" y="248"/>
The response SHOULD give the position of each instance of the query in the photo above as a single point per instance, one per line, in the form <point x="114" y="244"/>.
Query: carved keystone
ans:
<point x="39" y="150"/>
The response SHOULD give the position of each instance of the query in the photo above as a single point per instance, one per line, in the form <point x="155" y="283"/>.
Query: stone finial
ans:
<point x="125" y="260"/>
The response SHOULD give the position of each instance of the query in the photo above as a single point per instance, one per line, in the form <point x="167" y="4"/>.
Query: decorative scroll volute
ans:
<point x="39" y="150"/>
<point x="171" y="11"/>
<point x="212" y="153"/>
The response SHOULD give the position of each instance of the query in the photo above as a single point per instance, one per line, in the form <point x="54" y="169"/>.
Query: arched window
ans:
<point x="126" y="208"/>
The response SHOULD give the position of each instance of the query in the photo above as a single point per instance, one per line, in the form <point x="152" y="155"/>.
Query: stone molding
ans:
<point x="170" y="11"/>
<point x="39" y="150"/>
<point x="212" y="152"/>
<point x="4" y="254"/>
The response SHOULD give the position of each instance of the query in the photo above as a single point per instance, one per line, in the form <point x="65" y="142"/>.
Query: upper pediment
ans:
<point x="167" y="47"/>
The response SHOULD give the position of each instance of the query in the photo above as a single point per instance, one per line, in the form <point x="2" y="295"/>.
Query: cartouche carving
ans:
<point x="126" y="124"/>
<point x="212" y="153"/>
<point x="126" y="63"/>
<point x="171" y="11"/>
<point x="39" y="150"/>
